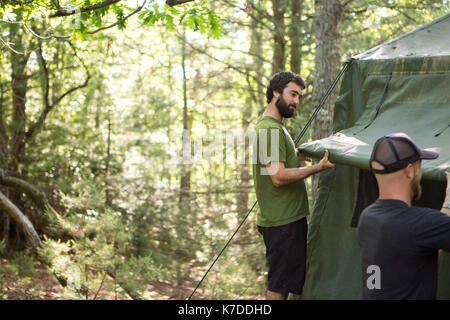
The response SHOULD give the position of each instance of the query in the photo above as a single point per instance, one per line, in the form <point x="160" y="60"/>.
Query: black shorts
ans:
<point x="286" y="256"/>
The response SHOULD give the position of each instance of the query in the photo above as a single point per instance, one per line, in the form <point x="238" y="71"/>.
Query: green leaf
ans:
<point x="170" y="23"/>
<point x="84" y="16"/>
<point x="174" y="11"/>
<point x="96" y="19"/>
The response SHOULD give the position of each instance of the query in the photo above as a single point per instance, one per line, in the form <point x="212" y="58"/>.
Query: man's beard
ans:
<point x="284" y="109"/>
<point x="416" y="189"/>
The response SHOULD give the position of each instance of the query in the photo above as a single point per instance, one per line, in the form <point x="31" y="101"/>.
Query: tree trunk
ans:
<point x="185" y="180"/>
<point x="5" y="223"/>
<point x="170" y="83"/>
<point x="108" y="187"/>
<point x="14" y="152"/>
<point x="328" y="15"/>
<point x="3" y="135"/>
<point x="19" y="91"/>
<point x="279" y="54"/>
<point x="244" y="173"/>
<point x="295" y="36"/>
<point x="256" y="50"/>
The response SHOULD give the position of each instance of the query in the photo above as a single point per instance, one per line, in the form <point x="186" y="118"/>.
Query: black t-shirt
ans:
<point x="402" y="242"/>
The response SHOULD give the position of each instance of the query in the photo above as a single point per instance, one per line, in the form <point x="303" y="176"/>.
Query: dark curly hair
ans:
<point x="280" y="80"/>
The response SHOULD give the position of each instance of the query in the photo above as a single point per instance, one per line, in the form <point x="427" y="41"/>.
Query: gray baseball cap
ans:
<point x="395" y="151"/>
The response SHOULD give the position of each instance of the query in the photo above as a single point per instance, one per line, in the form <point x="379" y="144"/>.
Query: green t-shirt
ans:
<point x="285" y="204"/>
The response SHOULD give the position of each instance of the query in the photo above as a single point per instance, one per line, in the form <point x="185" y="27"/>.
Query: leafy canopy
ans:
<point x="90" y="16"/>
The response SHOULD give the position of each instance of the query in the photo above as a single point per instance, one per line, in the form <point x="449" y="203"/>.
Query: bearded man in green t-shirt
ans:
<point x="280" y="188"/>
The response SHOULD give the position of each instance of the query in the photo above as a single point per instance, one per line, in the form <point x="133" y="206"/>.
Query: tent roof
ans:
<point x="432" y="39"/>
<point x="386" y="91"/>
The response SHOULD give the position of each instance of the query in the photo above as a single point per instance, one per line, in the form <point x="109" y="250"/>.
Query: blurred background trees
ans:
<point x="99" y="106"/>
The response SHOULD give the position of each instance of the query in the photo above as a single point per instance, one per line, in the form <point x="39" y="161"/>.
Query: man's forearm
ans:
<point x="447" y="200"/>
<point x="447" y="197"/>
<point x="291" y="175"/>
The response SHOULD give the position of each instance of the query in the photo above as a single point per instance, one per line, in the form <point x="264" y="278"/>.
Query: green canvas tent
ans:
<point x="400" y="86"/>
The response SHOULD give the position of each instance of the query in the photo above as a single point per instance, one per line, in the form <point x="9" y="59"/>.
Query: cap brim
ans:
<point x="428" y="155"/>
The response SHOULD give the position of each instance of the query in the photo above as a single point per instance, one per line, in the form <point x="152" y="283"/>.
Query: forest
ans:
<point x="123" y="135"/>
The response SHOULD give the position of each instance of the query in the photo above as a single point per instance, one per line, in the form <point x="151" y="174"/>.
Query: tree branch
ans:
<point x="172" y="3"/>
<point x="402" y="12"/>
<point x="47" y="106"/>
<point x="21" y="3"/>
<point x="8" y="45"/>
<point x="88" y="76"/>
<point x="39" y="198"/>
<point x="249" y="14"/>
<point x="34" y="128"/>
<point x="120" y="21"/>
<point x="263" y="13"/>
<point x="22" y="221"/>
<point x="355" y="32"/>
<point x="62" y="12"/>
<point x="218" y="60"/>
<point x="358" y="11"/>
<point x="242" y="51"/>
<point x="62" y="37"/>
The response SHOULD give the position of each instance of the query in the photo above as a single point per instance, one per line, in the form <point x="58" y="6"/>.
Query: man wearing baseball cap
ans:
<point x="399" y="242"/>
